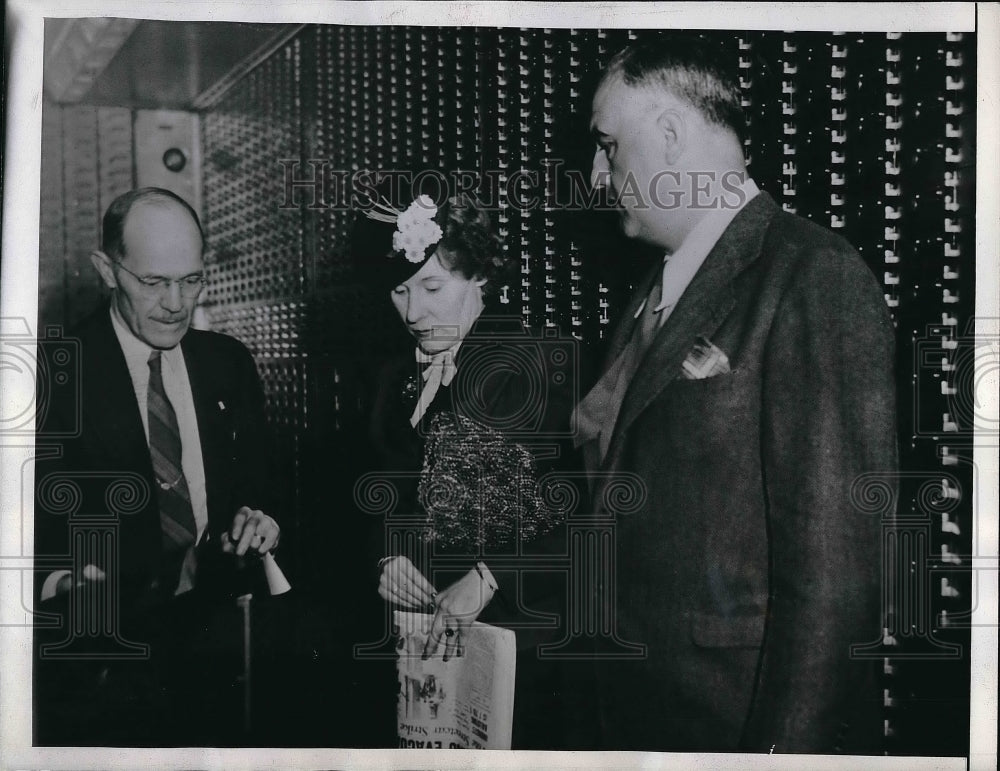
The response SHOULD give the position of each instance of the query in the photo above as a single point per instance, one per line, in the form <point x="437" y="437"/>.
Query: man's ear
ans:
<point x="673" y="128"/>
<point x="102" y="263"/>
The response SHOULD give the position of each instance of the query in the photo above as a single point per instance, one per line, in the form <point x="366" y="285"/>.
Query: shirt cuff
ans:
<point x="49" y="587"/>
<point x="487" y="578"/>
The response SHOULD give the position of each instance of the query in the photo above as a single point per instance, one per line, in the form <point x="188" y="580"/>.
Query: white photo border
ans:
<point x="18" y="300"/>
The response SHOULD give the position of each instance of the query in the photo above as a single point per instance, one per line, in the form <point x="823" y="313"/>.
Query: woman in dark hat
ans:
<point x="476" y="414"/>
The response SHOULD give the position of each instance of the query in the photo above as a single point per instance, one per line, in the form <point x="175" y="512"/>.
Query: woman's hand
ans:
<point x="401" y="583"/>
<point x="457" y="607"/>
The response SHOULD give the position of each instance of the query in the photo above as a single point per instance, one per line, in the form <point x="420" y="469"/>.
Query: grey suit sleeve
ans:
<point x="828" y="417"/>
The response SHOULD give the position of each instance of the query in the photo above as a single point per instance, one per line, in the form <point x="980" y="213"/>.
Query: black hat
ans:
<point x="399" y="225"/>
<point x="404" y="218"/>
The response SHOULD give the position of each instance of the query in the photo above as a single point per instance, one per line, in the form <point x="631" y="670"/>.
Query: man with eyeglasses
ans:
<point x="176" y="416"/>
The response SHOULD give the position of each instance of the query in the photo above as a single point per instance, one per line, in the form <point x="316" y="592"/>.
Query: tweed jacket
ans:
<point x="746" y="572"/>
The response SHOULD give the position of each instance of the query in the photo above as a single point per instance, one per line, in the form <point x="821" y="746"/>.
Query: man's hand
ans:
<point x="251" y="530"/>
<point x="457" y="607"/>
<point x="401" y="583"/>
<point x="62" y="581"/>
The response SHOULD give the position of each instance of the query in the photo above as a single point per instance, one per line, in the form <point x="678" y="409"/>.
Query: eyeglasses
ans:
<point x="155" y="285"/>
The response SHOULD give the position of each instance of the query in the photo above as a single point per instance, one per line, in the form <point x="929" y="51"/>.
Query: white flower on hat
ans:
<point x="416" y="229"/>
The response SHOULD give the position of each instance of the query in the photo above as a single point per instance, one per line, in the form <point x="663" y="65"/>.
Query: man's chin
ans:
<point x="630" y="228"/>
<point x="167" y="335"/>
<point x="633" y="229"/>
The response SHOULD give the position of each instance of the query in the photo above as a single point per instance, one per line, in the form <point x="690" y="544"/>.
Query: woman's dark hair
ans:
<point x="469" y="244"/>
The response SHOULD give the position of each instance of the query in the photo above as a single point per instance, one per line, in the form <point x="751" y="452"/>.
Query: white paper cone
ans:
<point x="276" y="580"/>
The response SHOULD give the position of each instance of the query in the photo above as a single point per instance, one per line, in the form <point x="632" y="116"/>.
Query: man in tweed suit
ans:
<point x="749" y="383"/>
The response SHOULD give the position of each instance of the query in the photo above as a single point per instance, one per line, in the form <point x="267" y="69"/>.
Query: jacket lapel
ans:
<point x="701" y="310"/>
<point x="212" y="423"/>
<point x="109" y="402"/>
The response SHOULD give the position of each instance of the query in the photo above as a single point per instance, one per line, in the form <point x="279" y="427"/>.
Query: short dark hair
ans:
<point x="113" y="225"/>
<point x="469" y="243"/>
<point x="690" y="67"/>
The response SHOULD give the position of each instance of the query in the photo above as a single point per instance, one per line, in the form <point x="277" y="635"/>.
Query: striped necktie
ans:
<point x="649" y="320"/>
<point x="177" y="523"/>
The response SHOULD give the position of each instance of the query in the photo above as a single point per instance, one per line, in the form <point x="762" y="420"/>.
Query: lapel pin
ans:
<point x="222" y="405"/>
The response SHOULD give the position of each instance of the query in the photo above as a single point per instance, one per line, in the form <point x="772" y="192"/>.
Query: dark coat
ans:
<point x="517" y="385"/>
<point x="509" y="382"/>
<point x="747" y="572"/>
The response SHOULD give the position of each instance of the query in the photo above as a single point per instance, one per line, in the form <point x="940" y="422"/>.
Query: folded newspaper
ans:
<point x="466" y="702"/>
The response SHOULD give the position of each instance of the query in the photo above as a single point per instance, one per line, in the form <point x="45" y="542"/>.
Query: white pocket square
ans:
<point x="704" y="360"/>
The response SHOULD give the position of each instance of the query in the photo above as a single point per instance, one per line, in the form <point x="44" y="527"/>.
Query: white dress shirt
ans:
<point x="680" y="267"/>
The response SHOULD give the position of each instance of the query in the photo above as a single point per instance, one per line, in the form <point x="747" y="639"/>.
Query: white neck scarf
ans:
<point x="440" y="371"/>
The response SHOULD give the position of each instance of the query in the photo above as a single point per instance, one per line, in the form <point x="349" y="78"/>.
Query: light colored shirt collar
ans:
<point x="440" y="371"/>
<point x="430" y="358"/>
<point x="136" y="351"/>
<point x="680" y="267"/>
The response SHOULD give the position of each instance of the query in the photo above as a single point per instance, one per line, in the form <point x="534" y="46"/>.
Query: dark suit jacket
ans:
<point x="748" y="572"/>
<point x="229" y="405"/>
